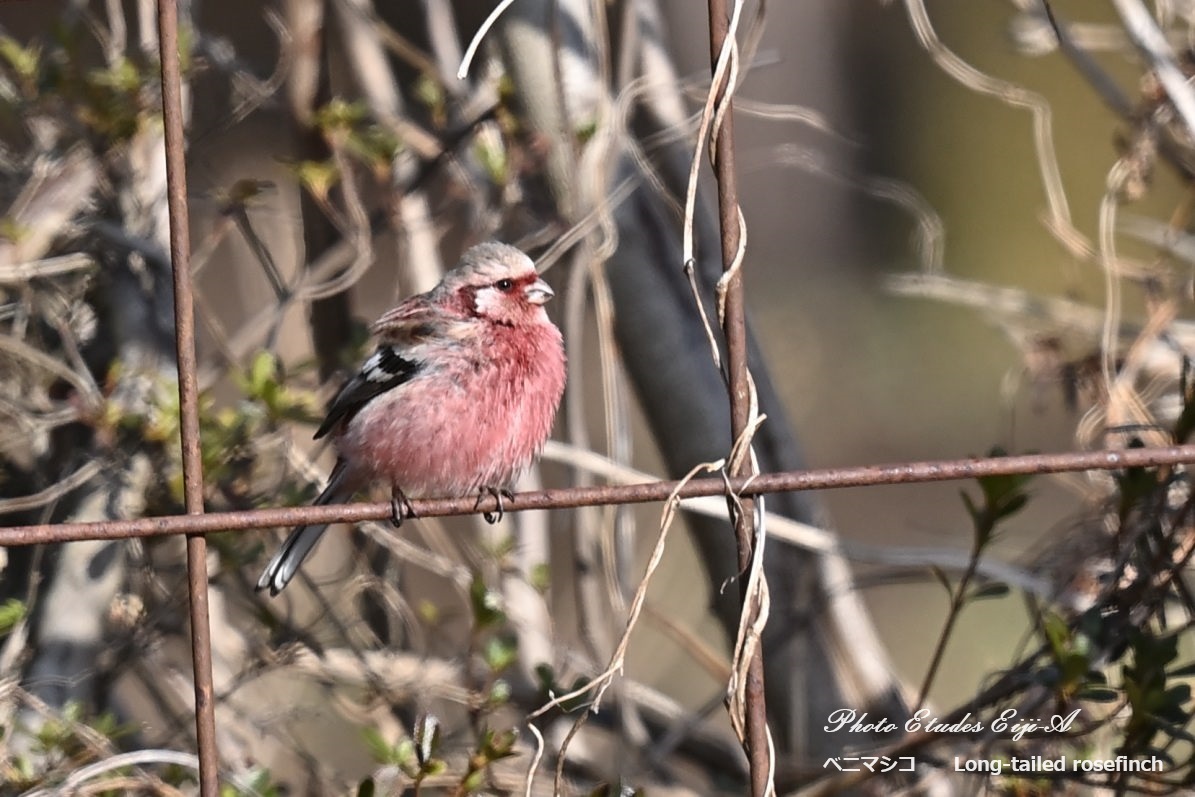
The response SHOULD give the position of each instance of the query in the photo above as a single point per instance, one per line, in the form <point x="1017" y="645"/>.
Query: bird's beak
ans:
<point x="538" y="292"/>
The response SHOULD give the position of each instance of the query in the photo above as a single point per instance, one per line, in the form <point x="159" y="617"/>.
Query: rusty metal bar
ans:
<point x="734" y="328"/>
<point x="188" y="392"/>
<point x="819" y="479"/>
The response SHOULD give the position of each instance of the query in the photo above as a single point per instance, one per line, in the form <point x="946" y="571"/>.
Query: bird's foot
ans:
<point x="499" y="494"/>
<point x="400" y="507"/>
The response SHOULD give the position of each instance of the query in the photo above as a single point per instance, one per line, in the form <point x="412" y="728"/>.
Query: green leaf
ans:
<point x="401" y="755"/>
<point x="1100" y="694"/>
<point x="340" y="116"/>
<point x="487" y="604"/>
<point x="376" y="146"/>
<point x="499" y="744"/>
<point x="1057" y="633"/>
<point x="12" y="230"/>
<point x="1003" y="496"/>
<point x="499" y="653"/>
<point x="379" y="748"/>
<point x="12" y="611"/>
<point x="318" y="177"/>
<point x="260" y="782"/>
<point x="25" y="61"/>
<point x="493" y="160"/>
<point x="540" y="577"/>
<point x="586" y="130"/>
<point x="429" y="91"/>
<point x="994" y="589"/>
<point x="263" y="371"/>
<point x="499" y="693"/>
<point x="1135" y="484"/>
<point x="581" y="701"/>
<point x="997" y="489"/>
<point x="72" y="712"/>
<point x="547" y="678"/>
<point x="258" y="785"/>
<point x="472" y="782"/>
<point x="972" y="509"/>
<point x="1011" y="505"/>
<point x="428" y="612"/>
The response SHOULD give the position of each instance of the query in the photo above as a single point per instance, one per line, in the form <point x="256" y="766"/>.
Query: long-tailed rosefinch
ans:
<point x="459" y="396"/>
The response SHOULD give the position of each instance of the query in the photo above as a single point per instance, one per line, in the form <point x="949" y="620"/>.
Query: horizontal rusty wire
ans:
<point x="813" y="479"/>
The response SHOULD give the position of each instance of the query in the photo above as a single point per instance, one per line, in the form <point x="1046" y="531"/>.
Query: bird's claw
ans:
<point x="499" y="494"/>
<point x="400" y="508"/>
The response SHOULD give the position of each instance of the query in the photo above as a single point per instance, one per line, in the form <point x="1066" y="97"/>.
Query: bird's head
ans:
<point x="497" y="283"/>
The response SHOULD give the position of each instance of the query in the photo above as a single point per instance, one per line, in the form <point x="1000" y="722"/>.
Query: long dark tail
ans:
<point x="285" y="564"/>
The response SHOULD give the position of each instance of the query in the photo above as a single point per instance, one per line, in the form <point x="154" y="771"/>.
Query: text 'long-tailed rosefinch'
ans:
<point x="459" y="396"/>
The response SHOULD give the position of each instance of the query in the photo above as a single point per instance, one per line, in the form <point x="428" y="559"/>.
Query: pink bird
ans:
<point x="459" y="396"/>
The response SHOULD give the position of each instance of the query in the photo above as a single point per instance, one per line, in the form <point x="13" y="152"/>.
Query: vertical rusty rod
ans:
<point x="188" y="389"/>
<point x="734" y="327"/>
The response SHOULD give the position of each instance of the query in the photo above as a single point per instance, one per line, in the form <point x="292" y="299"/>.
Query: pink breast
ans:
<point x="474" y="423"/>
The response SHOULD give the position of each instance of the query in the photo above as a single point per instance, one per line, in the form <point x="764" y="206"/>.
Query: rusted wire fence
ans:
<point x="739" y="485"/>
<point x="917" y="472"/>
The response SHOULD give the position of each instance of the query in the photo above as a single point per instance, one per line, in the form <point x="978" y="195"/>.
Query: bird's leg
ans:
<point x="499" y="493"/>
<point x="400" y="507"/>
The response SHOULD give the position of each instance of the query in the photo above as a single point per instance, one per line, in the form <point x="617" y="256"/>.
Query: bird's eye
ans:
<point x="505" y="285"/>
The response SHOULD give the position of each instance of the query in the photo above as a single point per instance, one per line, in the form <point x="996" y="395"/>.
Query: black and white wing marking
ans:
<point x="384" y="370"/>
